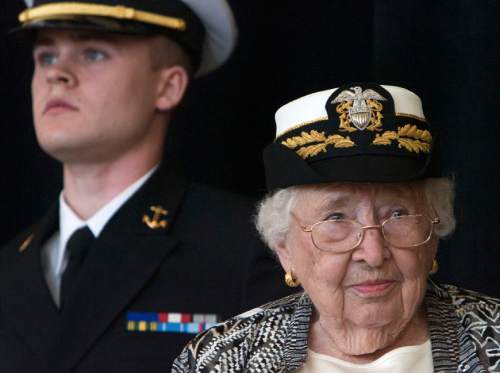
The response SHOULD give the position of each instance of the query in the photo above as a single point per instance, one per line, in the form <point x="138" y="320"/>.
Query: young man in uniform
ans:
<point x="133" y="259"/>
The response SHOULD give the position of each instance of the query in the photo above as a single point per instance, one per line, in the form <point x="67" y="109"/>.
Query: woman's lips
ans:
<point x="58" y="106"/>
<point x="373" y="287"/>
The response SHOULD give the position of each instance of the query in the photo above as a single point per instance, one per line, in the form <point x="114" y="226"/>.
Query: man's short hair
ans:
<point x="166" y="52"/>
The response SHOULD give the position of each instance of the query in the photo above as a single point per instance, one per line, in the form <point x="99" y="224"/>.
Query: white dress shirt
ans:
<point x="54" y="259"/>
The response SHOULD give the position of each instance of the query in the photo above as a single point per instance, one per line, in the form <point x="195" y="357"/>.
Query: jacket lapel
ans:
<point x="128" y="252"/>
<point x="28" y="302"/>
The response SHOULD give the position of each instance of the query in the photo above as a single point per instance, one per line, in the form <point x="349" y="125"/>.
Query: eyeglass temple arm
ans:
<point x="436" y="219"/>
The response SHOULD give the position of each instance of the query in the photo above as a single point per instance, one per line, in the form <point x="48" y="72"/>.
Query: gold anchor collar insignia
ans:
<point x="156" y="221"/>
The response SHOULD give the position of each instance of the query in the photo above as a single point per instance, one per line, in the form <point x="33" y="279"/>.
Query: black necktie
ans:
<point x="76" y="251"/>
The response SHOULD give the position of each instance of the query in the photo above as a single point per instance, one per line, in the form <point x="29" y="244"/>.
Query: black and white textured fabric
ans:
<point x="464" y="331"/>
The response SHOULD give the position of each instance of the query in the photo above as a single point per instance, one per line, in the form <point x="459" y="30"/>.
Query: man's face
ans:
<point x="95" y="95"/>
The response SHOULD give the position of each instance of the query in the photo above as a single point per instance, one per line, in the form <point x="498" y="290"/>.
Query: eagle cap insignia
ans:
<point x="359" y="113"/>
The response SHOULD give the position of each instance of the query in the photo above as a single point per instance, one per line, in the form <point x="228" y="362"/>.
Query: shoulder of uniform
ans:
<point x="220" y="207"/>
<point x="20" y="242"/>
<point x="217" y="194"/>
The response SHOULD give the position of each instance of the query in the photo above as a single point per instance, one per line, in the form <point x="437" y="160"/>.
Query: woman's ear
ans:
<point x="284" y="256"/>
<point x="172" y="86"/>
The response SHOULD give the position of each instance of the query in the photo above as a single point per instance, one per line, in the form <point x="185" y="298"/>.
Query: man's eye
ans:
<point x="93" y="55"/>
<point x="46" y="58"/>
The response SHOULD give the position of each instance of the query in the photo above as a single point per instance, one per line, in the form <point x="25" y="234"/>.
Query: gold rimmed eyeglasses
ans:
<point x="343" y="235"/>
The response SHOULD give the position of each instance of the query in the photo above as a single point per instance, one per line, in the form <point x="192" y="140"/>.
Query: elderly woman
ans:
<point x="355" y="215"/>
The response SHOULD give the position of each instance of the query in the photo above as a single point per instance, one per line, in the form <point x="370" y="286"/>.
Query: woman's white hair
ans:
<point x="273" y="212"/>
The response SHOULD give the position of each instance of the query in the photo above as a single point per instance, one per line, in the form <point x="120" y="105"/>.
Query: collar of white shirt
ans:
<point x="69" y="221"/>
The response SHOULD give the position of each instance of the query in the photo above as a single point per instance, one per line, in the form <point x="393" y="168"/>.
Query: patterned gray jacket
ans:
<point x="464" y="331"/>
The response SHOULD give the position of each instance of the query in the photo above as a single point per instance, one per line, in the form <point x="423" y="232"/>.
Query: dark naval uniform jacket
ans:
<point x="202" y="256"/>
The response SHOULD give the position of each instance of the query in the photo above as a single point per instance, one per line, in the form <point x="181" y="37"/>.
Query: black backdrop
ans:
<point x="446" y="51"/>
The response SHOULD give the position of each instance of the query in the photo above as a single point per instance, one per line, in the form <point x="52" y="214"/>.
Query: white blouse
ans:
<point x="417" y="359"/>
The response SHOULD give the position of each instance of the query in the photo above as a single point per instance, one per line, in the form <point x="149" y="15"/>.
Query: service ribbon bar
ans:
<point x="169" y="322"/>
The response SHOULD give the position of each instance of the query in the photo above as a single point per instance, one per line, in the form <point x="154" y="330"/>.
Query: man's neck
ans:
<point x="88" y="187"/>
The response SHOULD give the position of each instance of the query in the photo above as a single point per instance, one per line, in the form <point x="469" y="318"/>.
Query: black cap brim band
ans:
<point x="284" y="168"/>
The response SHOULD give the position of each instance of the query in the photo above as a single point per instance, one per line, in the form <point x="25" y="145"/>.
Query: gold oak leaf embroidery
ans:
<point x="305" y="150"/>
<point x="343" y="111"/>
<point x="408" y="137"/>
<point x="375" y="119"/>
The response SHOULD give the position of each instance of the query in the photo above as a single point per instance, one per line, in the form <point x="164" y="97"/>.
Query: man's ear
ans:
<point x="172" y="86"/>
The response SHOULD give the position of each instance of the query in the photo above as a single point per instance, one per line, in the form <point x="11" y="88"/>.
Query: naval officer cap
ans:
<point x="360" y="132"/>
<point x="205" y="29"/>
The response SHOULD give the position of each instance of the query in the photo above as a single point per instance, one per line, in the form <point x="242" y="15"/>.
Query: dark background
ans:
<point x="448" y="52"/>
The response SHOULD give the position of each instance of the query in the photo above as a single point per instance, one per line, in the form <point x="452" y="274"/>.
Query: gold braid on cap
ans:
<point x="55" y="10"/>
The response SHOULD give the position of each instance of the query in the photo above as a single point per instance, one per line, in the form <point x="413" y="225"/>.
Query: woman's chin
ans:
<point x="375" y="316"/>
<point x="365" y="344"/>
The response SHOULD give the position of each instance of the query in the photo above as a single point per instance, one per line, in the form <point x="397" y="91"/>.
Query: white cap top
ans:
<point x="312" y="108"/>
<point x="221" y="32"/>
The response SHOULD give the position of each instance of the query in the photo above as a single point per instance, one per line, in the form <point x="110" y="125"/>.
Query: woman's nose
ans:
<point x="372" y="248"/>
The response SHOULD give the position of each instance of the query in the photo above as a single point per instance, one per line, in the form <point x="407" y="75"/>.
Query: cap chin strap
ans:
<point x="54" y="10"/>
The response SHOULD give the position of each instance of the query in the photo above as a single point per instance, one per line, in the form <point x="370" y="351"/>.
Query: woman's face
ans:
<point x="366" y="297"/>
